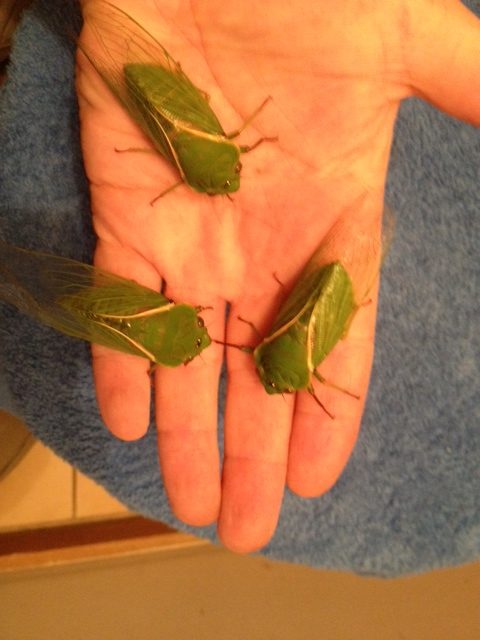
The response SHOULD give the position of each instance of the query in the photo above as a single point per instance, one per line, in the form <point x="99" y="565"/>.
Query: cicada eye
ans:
<point x="272" y="384"/>
<point x="238" y="168"/>
<point x="198" y="342"/>
<point x="200" y="322"/>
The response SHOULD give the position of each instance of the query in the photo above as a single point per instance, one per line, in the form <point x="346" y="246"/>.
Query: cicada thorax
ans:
<point x="183" y="335"/>
<point x="208" y="163"/>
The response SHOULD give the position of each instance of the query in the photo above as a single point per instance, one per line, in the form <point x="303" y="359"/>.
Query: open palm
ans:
<point x="336" y="72"/>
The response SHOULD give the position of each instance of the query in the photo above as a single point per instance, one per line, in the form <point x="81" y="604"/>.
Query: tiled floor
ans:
<point x="207" y="593"/>
<point x="203" y="591"/>
<point x="44" y="490"/>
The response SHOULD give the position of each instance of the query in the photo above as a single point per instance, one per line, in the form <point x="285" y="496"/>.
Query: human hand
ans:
<point x="337" y="72"/>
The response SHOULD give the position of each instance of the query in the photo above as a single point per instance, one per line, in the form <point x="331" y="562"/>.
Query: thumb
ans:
<point x="443" y="56"/>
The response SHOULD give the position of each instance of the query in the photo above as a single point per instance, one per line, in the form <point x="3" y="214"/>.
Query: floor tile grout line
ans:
<point x="74" y="494"/>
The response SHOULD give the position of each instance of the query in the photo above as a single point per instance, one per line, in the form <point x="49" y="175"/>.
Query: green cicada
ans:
<point x="88" y="303"/>
<point x="309" y="324"/>
<point x="172" y="112"/>
<point x="318" y="312"/>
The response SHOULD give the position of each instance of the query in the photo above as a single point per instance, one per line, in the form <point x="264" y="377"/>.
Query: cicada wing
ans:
<point x="303" y="295"/>
<point x="332" y="313"/>
<point x="72" y="297"/>
<point x="13" y="292"/>
<point x="360" y="246"/>
<point x="169" y="93"/>
<point x="107" y="295"/>
<point x="38" y="302"/>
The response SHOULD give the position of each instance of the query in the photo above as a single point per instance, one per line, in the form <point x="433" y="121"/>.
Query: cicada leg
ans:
<point x="250" y="323"/>
<point x="277" y="280"/>
<point x="246" y="122"/>
<point x="135" y="150"/>
<point x="245" y="148"/>
<point x="151" y="372"/>
<point x="241" y="347"/>
<point x="311" y="391"/>
<point x="167" y="190"/>
<point x="321" y="379"/>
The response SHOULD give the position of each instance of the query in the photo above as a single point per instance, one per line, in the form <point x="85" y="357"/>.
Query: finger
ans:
<point x="122" y="382"/>
<point x="123" y="392"/>
<point x="321" y="445"/>
<point x="257" y="431"/>
<point x="443" y="56"/>
<point x="186" y="414"/>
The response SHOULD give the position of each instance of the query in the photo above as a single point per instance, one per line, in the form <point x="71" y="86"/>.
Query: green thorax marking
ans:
<point x="210" y="166"/>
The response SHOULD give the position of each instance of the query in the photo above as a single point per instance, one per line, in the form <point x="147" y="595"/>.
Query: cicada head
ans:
<point x="282" y="365"/>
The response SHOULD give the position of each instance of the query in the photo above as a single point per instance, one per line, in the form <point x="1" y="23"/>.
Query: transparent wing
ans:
<point x="360" y="254"/>
<point x="360" y="246"/>
<point x="121" y="41"/>
<point x="72" y="297"/>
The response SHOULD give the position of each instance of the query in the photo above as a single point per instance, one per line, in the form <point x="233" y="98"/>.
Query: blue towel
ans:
<point x="409" y="499"/>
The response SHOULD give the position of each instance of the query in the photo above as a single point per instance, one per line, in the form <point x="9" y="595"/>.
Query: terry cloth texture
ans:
<point x="409" y="500"/>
